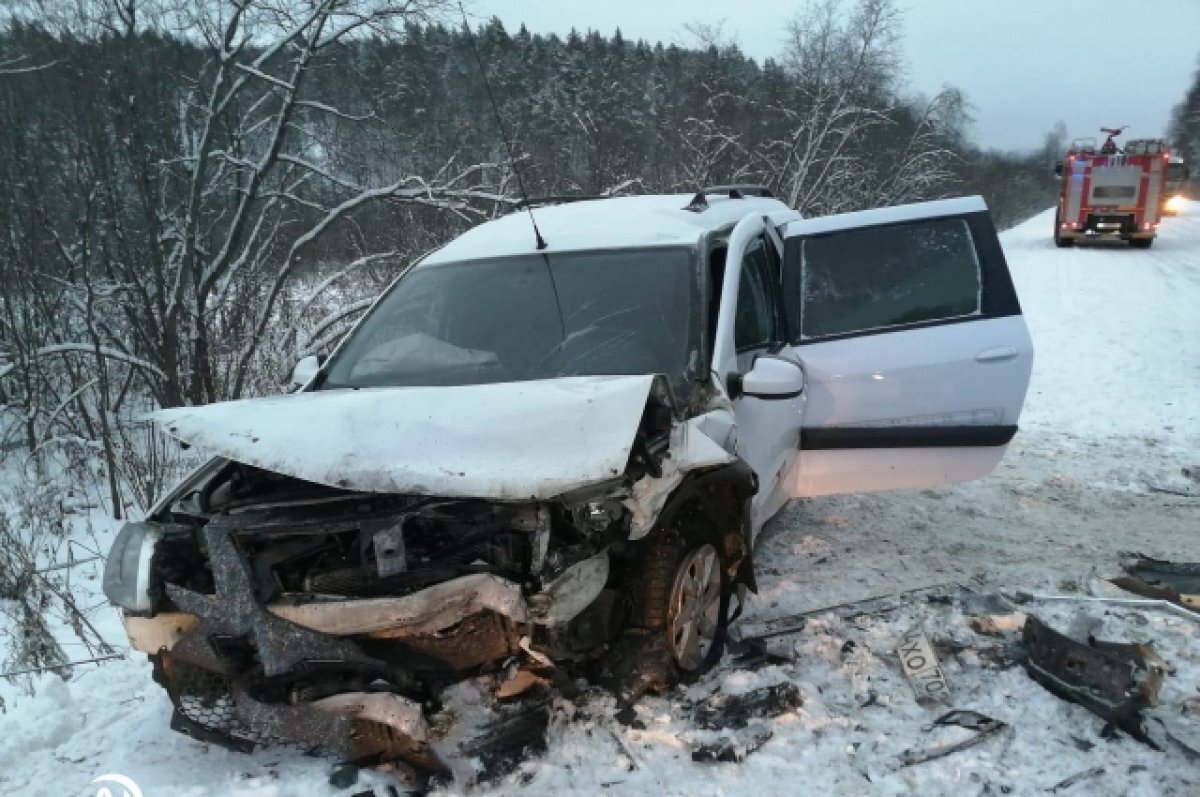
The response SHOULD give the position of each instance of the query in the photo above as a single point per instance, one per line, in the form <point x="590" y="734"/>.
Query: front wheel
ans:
<point x="1141" y="243"/>
<point x="684" y="595"/>
<point x="696" y="604"/>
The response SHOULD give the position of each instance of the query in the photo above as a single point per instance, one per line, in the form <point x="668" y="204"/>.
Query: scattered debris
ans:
<point x="479" y="743"/>
<point x="627" y="715"/>
<point x="1130" y="603"/>
<point x="1083" y="745"/>
<point x="1156" y="488"/>
<point x="884" y="604"/>
<point x="998" y="624"/>
<point x="521" y="682"/>
<point x="922" y="669"/>
<point x="735" y="711"/>
<point x="741" y="720"/>
<point x="1078" y="777"/>
<point x="617" y="736"/>
<point x="1116" y="681"/>
<point x="732" y="749"/>
<point x="998" y="657"/>
<point x="640" y="663"/>
<point x="757" y="652"/>
<point x="983" y="725"/>
<point x="343" y="776"/>
<point x="1177" y="582"/>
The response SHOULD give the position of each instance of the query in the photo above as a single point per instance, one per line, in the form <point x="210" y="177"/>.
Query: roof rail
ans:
<point x="739" y="191"/>
<point x="699" y="202"/>
<point x="557" y="200"/>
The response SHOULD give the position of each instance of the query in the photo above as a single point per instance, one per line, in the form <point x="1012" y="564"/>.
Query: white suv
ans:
<point x="526" y="456"/>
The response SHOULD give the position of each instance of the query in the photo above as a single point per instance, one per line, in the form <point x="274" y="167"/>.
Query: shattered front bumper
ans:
<point x="357" y="726"/>
<point x="348" y="678"/>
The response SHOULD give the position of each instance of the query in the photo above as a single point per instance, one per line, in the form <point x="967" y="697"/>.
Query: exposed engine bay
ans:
<point x="278" y="610"/>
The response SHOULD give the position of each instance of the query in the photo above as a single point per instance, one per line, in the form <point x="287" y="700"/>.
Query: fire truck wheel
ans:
<point x="1141" y="243"/>
<point x="1061" y="243"/>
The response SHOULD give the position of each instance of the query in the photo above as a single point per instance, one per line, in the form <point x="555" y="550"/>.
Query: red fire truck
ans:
<point x="1113" y="193"/>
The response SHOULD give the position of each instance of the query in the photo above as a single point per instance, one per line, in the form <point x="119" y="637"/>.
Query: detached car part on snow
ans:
<point x="525" y="459"/>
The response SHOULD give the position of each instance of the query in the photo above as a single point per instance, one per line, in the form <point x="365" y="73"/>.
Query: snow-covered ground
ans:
<point x="1110" y="423"/>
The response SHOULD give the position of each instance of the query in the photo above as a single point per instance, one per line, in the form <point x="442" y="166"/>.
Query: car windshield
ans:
<point x="526" y="317"/>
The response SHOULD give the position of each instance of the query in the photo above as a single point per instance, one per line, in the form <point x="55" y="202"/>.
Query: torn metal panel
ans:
<point x="1115" y="681"/>
<point x="690" y="448"/>
<point x="399" y="713"/>
<point x="426" y="611"/>
<point x="476" y="640"/>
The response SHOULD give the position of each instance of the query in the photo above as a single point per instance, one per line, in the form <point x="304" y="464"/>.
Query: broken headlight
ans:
<point x="127" y="571"/>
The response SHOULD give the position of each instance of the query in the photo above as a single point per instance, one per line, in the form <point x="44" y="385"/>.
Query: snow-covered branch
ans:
<point x="104" y="351"/>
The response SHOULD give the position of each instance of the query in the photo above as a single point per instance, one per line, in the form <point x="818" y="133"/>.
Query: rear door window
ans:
<point x="878" y="278"/>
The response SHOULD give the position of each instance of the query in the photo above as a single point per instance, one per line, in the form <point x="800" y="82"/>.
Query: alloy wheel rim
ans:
<point x="695" y="605"/>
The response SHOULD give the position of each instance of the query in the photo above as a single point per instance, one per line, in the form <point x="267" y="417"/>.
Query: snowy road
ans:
<point x="1112" y="413"/>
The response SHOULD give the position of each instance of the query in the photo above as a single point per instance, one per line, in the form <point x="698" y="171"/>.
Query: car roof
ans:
<point x="612" y="223"/>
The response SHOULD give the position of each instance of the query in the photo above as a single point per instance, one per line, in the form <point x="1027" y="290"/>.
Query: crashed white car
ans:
<point x="538" y="458"/>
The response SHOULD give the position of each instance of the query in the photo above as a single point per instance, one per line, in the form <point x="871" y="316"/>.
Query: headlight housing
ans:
<point x="1175" y="204"/>
<point x="127" y="571"/>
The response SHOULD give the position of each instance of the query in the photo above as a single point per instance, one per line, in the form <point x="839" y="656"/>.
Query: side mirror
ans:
<point x="1058" y="169"/>
<point x="303" y="372"/>
<point x="770" y="378"/>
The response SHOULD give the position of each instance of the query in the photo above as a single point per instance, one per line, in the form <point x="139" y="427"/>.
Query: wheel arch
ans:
<point x="720" y="498"/>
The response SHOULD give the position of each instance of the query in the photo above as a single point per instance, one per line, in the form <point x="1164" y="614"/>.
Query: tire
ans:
<point x="665" y="601"/>
<point x="1141" y="243"/>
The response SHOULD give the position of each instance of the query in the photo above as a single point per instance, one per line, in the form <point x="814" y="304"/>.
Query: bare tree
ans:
<point x="845" y="57"/>
<point x="173" y="238"/>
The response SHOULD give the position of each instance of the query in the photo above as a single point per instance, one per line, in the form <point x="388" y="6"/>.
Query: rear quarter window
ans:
<point x="890" y="276"/>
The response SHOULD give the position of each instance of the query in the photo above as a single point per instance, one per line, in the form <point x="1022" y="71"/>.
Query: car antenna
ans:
<point x="541" y="242"/>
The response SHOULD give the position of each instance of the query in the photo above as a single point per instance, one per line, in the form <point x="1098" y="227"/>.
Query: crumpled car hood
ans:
<point x="514" y="440"/>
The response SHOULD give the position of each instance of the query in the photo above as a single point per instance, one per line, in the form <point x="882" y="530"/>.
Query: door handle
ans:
<point x="1000" y="354"/>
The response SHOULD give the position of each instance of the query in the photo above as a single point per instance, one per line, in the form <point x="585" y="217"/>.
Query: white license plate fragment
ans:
<point x="922" y="669"/>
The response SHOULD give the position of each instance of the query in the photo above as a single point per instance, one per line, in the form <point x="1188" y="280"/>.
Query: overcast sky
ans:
<point x="1024" y="64"/>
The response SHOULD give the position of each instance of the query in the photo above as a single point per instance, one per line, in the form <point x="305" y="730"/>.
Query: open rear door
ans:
<point x="916" y="355"/>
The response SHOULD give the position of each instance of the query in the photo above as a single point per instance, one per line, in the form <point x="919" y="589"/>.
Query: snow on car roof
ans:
<point x="618" y="222"/>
